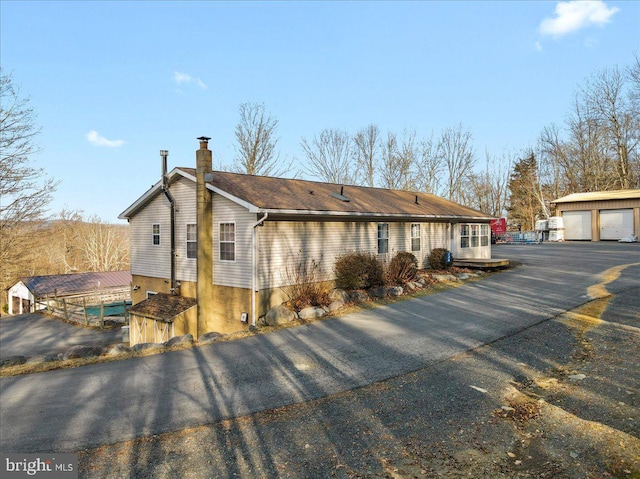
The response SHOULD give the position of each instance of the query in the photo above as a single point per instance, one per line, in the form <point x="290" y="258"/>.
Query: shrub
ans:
<point x="358" y="271"/>
<point x="402" y="268"/>
<point x="438" y="258"/>
<point x="306" y="287"/>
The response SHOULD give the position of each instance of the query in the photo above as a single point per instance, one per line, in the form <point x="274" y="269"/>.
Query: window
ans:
<point x="484" y="235"/>
<point x="227" y="241"/>
<point x="415" y="237"/>
<point x="192" y="240"/>
<point x="155" y="234"/>
<point x="383" y="238"/>
<point x="473" y="236"/>
<point x="464" y="236"/>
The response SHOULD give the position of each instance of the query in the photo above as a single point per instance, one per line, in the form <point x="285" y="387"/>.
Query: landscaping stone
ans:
<point x="119" y="349"/>
<point x="394" y="291"/>
<point x="311" y="312"/>
<point x="75" y="352"/>
<point x="444" y="277"/>
<point x="358" y="296"/>
<point x="463" y="276"/>
<point x="147" y="346"/>
<point x="338" y="295"/>
<point x="377" y="292"/>
<point x="336" y="305"/>
<point x="13" y="361"/>
<point x="411" y="286"/>
<point x="43" y="358"/>
<point x="279" y="315"/>
<point x="208" y="338"/>
<point x="180" y="340"/>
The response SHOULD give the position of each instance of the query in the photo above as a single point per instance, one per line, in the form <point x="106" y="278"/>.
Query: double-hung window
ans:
<point x="155" y="234"/>
<point x="415" y="237"/>
<point x="383" y="238"/>
<point x="227" y="241"/>
<point x="473" y="236"/>
<point x="192" y="240"/>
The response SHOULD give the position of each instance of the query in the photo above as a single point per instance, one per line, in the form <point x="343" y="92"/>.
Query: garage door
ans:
<point x="577" y="225"/>
<point x="616" y="224"/>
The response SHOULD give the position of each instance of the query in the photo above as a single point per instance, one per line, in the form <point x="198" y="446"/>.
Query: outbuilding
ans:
<point x="34" y="293"/>
<point x="600" y="215"/>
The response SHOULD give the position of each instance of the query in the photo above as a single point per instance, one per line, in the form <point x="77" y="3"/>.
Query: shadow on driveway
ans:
<point x="35" y="334"/>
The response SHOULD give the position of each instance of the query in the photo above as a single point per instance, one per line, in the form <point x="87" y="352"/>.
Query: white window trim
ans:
<point x="235" y="240"/>
<point x="388" y="230"/>
<point x="471" y="235"/>
<point x="419" y="237"/>
<point x="153" y="235"/>
<point x="187" y="241"/>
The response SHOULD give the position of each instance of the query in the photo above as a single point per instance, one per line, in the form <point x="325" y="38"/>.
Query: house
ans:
<point x="35" y="292"/>
<point x="601" y="215"/>
<point x="233" y="240"/>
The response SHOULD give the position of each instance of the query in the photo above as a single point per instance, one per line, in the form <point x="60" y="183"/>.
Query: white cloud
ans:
<point x="184" y="78"/>
<point x="95" y="138"/>
<point x="574" y="15"/>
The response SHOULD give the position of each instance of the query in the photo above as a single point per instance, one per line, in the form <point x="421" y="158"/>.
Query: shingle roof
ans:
<point x="163" y="307"/>
<point x="303" y="196"/>
<point x="65" y="284"/>
<point x="599" y="196"/>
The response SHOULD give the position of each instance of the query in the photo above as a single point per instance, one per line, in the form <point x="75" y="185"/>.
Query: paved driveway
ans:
<point x="67" y="410"/>
<point x="36" y="334"/>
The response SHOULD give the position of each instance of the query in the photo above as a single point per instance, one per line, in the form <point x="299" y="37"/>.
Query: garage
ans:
<point x="616" y="224"/>
<point x="600" y="215"/>
<point x="577" y="225"/>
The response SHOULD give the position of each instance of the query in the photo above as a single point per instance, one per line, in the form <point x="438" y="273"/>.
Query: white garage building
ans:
<point x="601" y="215"/>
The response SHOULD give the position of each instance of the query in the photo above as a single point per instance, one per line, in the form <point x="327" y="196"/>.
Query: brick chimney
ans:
<point x="204" y="288"/>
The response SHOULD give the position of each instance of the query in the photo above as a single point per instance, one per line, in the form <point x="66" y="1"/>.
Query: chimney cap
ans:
<point x="164" y="153"/>
<point x="204" y="138"/>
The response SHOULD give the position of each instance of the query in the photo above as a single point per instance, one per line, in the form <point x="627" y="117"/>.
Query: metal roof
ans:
<point x="599" y="196"/>
<point x="66" y="284"/>
<point x="287" y="196"/>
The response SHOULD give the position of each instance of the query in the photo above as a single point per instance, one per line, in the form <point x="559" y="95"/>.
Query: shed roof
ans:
<point x="162" y="307"/>
<point x="303" y="197"/>
<point x="599" y="196"/>
<point x="74" y="283"/>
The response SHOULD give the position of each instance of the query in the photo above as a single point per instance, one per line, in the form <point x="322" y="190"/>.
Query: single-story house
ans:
<point x="233" y="241"/>
<point x="601" y="215"/>
<point x="34" y="292"/>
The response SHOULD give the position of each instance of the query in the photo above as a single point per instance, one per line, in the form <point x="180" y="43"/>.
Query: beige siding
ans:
<point x="598" y="205"/>
<point x="285" y="244"/>
<point x="152" y="260"/>
<point x="232" y="273"/>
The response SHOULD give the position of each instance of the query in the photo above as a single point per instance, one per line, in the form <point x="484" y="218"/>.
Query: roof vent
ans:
<point x="340" y="196"/>
<point x="417" y="200"/>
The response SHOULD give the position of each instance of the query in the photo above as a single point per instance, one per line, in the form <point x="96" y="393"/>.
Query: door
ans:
<point x="577" y="225"/>
<point x="616" y="224"/>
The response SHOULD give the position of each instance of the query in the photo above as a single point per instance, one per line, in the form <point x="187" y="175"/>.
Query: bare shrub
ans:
<point x="438" y="258"/>
<point x="358" y="270"/>
<point x="305" y="285"/>
<point x="402" y="268"/>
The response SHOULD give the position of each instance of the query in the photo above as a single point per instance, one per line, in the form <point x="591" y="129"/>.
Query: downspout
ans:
<point x="254" y="279"/>
<point x="172" y="206"/>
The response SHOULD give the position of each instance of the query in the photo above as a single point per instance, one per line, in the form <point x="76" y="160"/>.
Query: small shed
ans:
<point x="34" y="293"/>
<point x="600" y="215"/>
<point x="161" y="317"/>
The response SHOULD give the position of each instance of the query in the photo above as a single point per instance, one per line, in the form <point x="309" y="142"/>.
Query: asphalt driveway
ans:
<point x="67" y="410"/>
<point x="35" y="334"/>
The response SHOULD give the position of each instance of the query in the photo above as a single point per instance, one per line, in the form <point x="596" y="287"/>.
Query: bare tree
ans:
<point x="106" y="247"/>
<point x="489" y="191"/>
<point x="398" y="161"/>
<point x="256" y="142"/>
<point x="366" y="144"/>
<point x="429" y="167"/>
<point x="605" y="93"/>
<point x="25" y="191"/>
<point x="329" y="155"/>
<point x="458" y="159"/>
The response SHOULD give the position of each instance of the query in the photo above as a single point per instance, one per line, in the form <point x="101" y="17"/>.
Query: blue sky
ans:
<point x="113" y="83"/>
